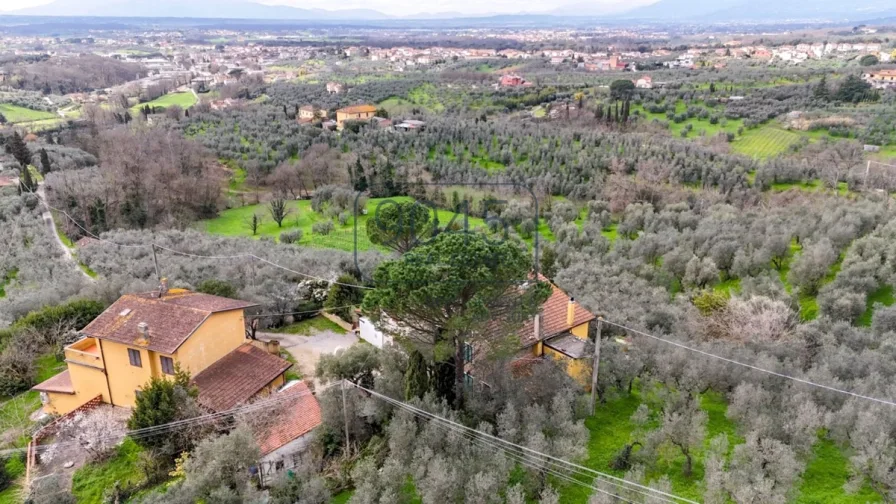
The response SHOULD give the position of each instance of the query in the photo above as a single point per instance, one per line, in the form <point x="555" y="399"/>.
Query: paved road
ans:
<point x="308" y="349"/>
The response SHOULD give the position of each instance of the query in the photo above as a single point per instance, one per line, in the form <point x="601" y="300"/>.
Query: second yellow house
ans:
<point x="148" y="335"/>
<point x="354" y="113"/>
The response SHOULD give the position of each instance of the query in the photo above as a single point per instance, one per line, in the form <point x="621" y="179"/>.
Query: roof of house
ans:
<point x="296" y="417"/>
<point x="567" y="344"/>
<point x="61" y="383"/>
<point x="171" y="318"/>
<point x="237" y="377"/>
<point x="357" y="109"/>
<point x="553" y="318"/>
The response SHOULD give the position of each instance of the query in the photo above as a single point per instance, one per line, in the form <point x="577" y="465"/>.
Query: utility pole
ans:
<point x="595" y="364"/>
<point x="345" y="419"/>
<point x="155" y="261"/>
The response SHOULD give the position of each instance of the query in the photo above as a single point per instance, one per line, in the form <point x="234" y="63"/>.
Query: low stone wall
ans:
<point x="338" y="321"/>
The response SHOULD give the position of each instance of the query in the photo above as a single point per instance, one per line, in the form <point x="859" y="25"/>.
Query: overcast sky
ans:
<point x="407" y="7"/>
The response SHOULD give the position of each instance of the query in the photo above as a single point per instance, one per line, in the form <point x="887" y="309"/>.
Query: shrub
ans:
<point x="323" y="227"/>
<point x="217" y="287"/>
<point x="290" y="237"/>
<point x="710" y="301"/>
<point x="17" y="372"/>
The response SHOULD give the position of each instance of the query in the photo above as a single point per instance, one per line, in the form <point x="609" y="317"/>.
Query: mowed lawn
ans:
<point x="764" y="142"/>
<point x="17" y="114"/>
<point x="182" y="100"/>
<point x="233" y="222"/>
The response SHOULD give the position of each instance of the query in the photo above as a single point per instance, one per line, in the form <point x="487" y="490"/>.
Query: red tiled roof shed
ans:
<point x="237" y="377"/>
<point x="295" y="419"/>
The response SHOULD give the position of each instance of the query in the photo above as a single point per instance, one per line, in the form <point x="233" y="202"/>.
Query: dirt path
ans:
<point x="51" y="228"/>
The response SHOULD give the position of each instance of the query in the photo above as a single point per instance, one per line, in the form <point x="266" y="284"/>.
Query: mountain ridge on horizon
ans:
<point x="659" y="11"/>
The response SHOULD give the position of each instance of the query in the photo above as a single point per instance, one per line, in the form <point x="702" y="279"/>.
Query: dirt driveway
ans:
<point x="308" y="349"/>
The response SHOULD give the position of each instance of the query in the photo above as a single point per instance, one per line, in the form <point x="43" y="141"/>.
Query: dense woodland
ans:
<point x="61" y="75"/>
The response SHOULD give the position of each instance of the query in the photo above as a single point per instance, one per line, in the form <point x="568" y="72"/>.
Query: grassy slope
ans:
<point x="232" y="223"/>
<point x="611" y="429"/>
<point x="310" y="326"/>
<point x="825" y="475"/>
<point x="89" y="482"/>
<point x="183" y="100"/>
<point x="765" y="141"/>
<point x="16" y="114"/>
<point x="883" y="295"/>
<point x="14" y="414"/>
<point x="14" y="411"/>
<point x="342" y="497"/>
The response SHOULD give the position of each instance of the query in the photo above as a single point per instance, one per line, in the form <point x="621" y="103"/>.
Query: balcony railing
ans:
<point x="85" y="351"/>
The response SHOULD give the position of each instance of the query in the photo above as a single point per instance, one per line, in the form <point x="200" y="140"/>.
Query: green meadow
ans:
<point x="182" y="100"/>
<point x="17" y="114"/>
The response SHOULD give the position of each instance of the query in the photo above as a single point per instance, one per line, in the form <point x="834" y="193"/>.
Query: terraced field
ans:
<point x="17" y="114"/>
<point x="767" y="141"/>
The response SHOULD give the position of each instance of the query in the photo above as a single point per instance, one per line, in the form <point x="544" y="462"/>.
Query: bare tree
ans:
<point x="279" y="211"/>
<point x="253" y="222"/>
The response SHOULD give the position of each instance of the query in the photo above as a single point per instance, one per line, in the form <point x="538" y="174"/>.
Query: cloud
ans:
<point x="21" y="4"/>
<point x="410" y="7"/>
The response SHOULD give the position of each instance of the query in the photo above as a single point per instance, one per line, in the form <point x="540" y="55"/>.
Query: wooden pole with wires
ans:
<point x="345" y="420"/>
<point x="595" y="363"/>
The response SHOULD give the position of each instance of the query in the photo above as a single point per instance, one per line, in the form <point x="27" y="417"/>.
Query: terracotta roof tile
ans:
<point x="553" y="318"/>
<point x="237" y="377"/>
<point x="293" y="419"/>
<point x="171" y="319"/>
<point x="61" y="383"/>
<point x="357" y="109"/>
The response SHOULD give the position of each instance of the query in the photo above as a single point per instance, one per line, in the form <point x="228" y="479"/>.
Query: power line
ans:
<point x="528" y="460"/>
<point x="263" y="404"/>
<point x="753" y="367"/>
<point x="189" y="254"/>
<point x="177" y="425"/>
<point x="525" y="449"/>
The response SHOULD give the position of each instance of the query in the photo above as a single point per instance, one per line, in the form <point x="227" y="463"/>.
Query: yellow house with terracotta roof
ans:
<point x="148" y="335"/>
<point x="354" y="113"/>
<point x="560" y="331"/>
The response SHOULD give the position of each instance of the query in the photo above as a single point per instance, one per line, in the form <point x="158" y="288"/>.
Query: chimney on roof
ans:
<point x="537" y="325"/>
<point x="143" y="327"/>
<point x="571" y="311"/>
<point x="163" y="287"/>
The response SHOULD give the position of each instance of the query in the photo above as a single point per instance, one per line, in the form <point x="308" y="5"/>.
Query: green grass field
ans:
<point x="310" y="326"/>
<point x="611" y="429"/>
<point x="826" y="472"/>
<point x="233" y="223"/>
<point x="16" y="114"/>
<point x="182" y="100"/>
<point x="883" y="295"/>
<point x="698" y="126"/>
<point x="764" y="142"/>
<point x="91" y="481"/>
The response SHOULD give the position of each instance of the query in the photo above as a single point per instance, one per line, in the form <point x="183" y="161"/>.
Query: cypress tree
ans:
<point x="45" y="166"/>
<point x="19" y="150"/>
<point x="26" y="183"/>
<point x="821" y="91"/>
<point x="416" y="378"/>
<point x="443" y="380"/>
